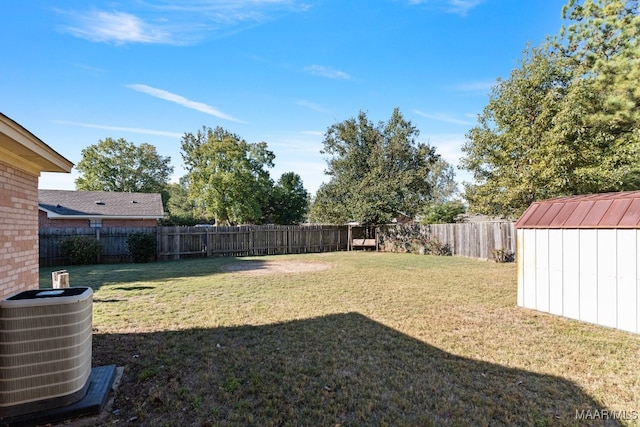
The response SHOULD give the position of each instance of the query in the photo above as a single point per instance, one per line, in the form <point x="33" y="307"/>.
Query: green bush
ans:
<point x="81" y="249"/>
<point x="443" y="213"/>
<point x="141" y="246"/>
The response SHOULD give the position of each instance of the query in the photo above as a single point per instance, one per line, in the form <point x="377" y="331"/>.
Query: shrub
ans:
<point x="434" y="246"/>
<point x="502" y="255"/>
<point x="141" y="246"/>
<point x="81" y="249"/>
<point x="413" y="239"/>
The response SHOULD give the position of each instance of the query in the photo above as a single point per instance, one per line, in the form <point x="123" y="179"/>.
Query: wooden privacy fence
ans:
<point x="472" y="240"/>
<point x="112" y="238"/>
<point x="181" y="242"/>
<point x="190" y="242"/>
<point x="476" y="240"/>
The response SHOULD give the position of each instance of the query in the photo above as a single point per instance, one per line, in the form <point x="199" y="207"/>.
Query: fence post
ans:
<point x="60" y="279"/>
<point x="176" y="243"/>
<point x="158" y="243"/>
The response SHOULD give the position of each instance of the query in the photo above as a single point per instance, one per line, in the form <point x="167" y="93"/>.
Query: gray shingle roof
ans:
<point x="100" y="204"/>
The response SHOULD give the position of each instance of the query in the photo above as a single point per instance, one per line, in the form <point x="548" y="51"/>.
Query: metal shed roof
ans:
<point x="606" y="210"/>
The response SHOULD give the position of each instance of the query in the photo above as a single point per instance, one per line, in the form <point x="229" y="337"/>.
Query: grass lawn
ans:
<point x="373" y="339"/>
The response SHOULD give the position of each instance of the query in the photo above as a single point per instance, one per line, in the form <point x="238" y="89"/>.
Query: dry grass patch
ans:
<point x="254" y="267"/>
<point x="377" y="339"/>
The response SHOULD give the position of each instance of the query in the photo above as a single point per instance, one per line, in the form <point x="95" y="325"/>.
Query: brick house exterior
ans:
<point x="22" y="158"/>
<point x="66" y="208"/>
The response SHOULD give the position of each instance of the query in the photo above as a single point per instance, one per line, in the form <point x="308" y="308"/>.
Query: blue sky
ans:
<point x="281" y="71"/>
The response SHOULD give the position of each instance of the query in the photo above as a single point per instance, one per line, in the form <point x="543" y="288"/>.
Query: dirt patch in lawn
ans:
<point x="275" y="267"/>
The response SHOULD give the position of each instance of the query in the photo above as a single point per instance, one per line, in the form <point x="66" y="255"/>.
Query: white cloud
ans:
<point x="122" y="129"/>
<point x="181" y="100"/>
<point x="116" y="27"/>
<point x="443" y="117"/>
<point x="458" y="7"/>
<point x="177" y="23"/>
<point x="328" y="72"/>
<point x="462" y="7"/>
<point x="313" y="106"/>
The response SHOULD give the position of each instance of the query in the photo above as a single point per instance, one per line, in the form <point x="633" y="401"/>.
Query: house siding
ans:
<point x="19" y="230"/>
<point x="46" y="222"/>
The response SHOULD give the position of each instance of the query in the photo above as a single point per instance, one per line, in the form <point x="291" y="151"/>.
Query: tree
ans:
<point x="227" y="175"/>
<point x="181" y="208"/>
<point x="119" y="165"/>
<point x="602" y="40"/>
<point x="446" y="212"/>
<point x="377" y="171"/>
<point x="290" y="200"/>
<point x="564" y="122"/>
<point x="442" y="208"/>
<point x="443" y="182"/>
<point x="508" y="150"/>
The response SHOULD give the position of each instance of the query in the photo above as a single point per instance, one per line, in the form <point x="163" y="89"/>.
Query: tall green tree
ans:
<point x="289" y="201"/>
<point x="602" y="41"/>
<point x="564" y="122"/>
<point x="119" y="165"/>
<point x="444" y="207"/>
<point x="509" y="151"/>
<point x="227" y="176"/>
<point x="377" y="171"/>
<point x="181" y="209"/>
<point x="442" y="177"/>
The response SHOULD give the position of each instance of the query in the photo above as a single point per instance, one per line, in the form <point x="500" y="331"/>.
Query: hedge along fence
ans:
<point x="482" y="240"/>
<point x="113" y="241"/>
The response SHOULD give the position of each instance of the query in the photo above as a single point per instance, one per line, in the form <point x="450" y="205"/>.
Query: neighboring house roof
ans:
<point x="26" y="151"/>
<point x="478" y="218"/>
<point x="606" y="210"/>
<point x="100" y="204"/>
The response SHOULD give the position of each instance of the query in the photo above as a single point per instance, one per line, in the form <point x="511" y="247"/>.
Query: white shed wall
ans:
<point x="627" y="298"/>
<point x="556" y="260"/>
<point x="570" y="273"/>
<point x="584" y="274"/>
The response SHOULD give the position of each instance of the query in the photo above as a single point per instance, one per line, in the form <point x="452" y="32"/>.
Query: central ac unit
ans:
<point x="45" y="349"/>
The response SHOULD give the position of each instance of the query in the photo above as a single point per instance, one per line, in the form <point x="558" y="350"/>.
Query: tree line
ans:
<point x="377" y="173"/>
<point x="227" y="180"/>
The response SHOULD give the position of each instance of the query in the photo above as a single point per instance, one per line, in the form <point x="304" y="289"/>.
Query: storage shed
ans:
<point x="578" y="258"/>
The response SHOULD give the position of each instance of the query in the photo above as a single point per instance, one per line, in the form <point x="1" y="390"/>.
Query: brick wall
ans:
<point x="18" y="230"/>
<point x="46" y="222"/>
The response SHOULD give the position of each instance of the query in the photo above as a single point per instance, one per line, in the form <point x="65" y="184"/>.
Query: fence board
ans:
<point x="471" y="240"/>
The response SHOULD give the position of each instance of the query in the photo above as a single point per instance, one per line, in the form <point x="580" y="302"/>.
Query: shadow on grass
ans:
<point x="341" y="369"/>
<point x="96" y="276"/>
